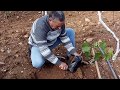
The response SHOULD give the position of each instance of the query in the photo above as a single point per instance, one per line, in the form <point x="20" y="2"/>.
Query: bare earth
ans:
<point x="15" y="27"/>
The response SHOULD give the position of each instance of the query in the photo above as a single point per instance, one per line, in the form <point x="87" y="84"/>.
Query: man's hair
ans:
<point x="56" y="15"/>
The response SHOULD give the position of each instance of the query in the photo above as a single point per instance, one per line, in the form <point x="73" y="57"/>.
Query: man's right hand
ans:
<point x="63" y="66"/>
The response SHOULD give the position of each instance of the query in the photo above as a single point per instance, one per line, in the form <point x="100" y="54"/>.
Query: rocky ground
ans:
<point x="14" y="32"/>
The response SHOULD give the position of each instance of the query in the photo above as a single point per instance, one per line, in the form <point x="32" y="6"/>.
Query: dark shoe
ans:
<point x="67" y="59"/>
<point x="74" y="64"/>
<point x="78" y="61"/>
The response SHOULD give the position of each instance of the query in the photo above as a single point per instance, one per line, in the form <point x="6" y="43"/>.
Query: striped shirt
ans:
<point x="43" y="36"/>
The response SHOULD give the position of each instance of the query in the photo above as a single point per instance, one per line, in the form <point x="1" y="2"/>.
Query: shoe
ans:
<point x="78" y="61"/>
<point x="74" y="64"/>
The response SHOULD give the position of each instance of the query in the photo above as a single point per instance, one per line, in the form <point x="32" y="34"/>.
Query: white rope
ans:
<point x="108" y="29"/>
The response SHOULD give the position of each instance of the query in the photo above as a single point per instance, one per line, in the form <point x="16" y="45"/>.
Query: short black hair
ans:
<point x="56" y="15"/>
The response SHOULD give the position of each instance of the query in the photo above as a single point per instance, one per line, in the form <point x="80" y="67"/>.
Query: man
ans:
<point x="48" y="32"/>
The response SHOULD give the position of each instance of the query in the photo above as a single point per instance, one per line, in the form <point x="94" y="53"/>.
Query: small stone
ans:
<point x="17" y="31"/>
<point x="30" y="19"/>
<point x="26" y="35"/>
<point x="2" y="50"/>
<point x="21" y="71"/>
<point x="91" y="70"/>
<point x="99" y="23"/>
<point x="39" y="12"/>
<point x="89" y="39"/>
<point x="8" y="51"/>
<point x="20" y="43"/>
<point x="87" y="20"/>
<point x="16" y="55"/>
<point x="2" y="63"/>
<point x="17" y="17"/>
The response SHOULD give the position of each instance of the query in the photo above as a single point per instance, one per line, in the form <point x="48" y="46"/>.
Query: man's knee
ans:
<point x="38" y="64"/>
<point x="70" y="31"/>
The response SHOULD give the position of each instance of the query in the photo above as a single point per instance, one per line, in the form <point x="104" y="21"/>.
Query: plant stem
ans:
<point x="96" y="64"/>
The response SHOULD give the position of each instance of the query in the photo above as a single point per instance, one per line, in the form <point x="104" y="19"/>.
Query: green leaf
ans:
<point x="95" y="44"/>
<point x="86" y="47"/>
<point x="87" y="54"/>
<point x="110" y="52"/>
<point x="103" y="45"/>
<point x="107" y="57"/>
<point x="97" y="56"/>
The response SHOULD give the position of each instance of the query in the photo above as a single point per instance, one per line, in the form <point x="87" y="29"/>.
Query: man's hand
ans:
<point x="63" y="66"/>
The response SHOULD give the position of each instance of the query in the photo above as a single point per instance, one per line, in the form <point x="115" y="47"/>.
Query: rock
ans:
<point x="17" y="31"/>
<point x="3" y="70"/>
<point x="30" y="19"/>
<point x="2" y="21"/>
<point x="17" y="17"/>
<point x="99" y="40"/>
<point x="84" y="38"/>
<point x="8" y="51"/>
<point x="26" y="36"/>
<point x="2" y="63"/>
<point x="2" y="50"/>
<point x="20" y="43"/>
<point x="89" y="39"/>
<point x="21" y="71"/>
<point x="39" y="12"/>
<point x="16" y="55"/>
<point x="92" y="70"/>
<point x="99" y="23"/>
<point x="87" y="20"/>
<point x="82" y="25"/>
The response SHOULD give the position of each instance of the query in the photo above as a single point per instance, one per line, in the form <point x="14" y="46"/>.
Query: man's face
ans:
<point x="56" y="24"/>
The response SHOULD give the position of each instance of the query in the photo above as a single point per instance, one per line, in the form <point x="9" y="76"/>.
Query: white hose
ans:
<point x="108" y="29"/>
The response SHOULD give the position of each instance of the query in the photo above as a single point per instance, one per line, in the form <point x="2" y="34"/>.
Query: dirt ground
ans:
<point x="15" y="27"/>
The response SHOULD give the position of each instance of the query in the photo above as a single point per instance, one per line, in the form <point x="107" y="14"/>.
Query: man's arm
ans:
<point x="66" y="41"/>
<point x="39" y="35"/>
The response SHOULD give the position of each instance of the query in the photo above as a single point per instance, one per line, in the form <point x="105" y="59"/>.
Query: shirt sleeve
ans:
<point x="39" y="36"/>
<point x="66" y="41"/>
